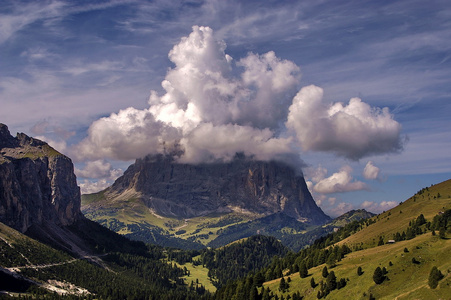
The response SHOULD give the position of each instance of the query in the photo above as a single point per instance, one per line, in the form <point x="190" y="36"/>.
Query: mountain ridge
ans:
<point x="37" y="183"/>
<point x="185" y="190"/>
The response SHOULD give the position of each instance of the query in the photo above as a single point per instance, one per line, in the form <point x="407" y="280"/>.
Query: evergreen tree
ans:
<point x="325" y="272"/>
<point x="378" y="276"/>
<point x="434" y="276"/>
<point x="259" y="279"/>
<point x="359" y="271"/>
<point x="420" y="220"/>
<point x="303" y="272"/>
<point x="331" y="281"/>
<point x="341" y="283"/>
<point x="282" y="285"/>
<point x="254" y="293"/>
<point x="331" y="260"/>
<point x="312" y="283"/>
<point x="319" y="295"/>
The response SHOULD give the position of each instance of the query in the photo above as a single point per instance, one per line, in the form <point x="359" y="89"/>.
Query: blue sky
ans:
<point x="108" y="81"/>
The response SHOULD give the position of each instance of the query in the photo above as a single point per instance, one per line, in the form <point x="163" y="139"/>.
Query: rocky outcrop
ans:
<point x="37" y="183"/>
<point x="184" y="191"/>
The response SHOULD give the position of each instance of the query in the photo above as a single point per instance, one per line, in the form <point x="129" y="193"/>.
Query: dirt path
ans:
<point x="37" y="267"/>
<point x="409" y="292"/>
<point x="182" y="226"/>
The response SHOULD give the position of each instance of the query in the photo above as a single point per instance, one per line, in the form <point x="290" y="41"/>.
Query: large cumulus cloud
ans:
<point x="354" y="130"/>
<point x="213" y="106"/>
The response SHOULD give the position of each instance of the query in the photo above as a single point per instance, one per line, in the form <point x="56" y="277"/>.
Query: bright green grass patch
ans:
<point x="199" y="273"/>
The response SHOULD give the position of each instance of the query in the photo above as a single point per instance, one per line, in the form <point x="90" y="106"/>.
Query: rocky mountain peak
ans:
<point x="37" y="183"/>
<point x="243" y="185"/>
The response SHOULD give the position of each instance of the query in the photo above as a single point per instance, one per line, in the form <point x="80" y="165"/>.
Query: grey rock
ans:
<point x="37" y="183"/>
<point x="184" y="191"/>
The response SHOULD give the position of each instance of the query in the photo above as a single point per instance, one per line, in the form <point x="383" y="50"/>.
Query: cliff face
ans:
<point x="182" y="190"/>
<point x="37" y="184"/>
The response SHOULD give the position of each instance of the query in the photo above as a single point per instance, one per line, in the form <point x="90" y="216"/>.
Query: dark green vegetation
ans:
<point x="124" y="269"/>
<point x="120" y="269"/>
<point x="238" y="259"/>
<point x="434" y="277"/>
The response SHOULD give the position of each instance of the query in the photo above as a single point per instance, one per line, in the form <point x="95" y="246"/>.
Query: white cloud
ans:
<point x="378" y="207"/>
<point x="127" y="135"/>
<point x="371" y="171"/>
<point x="332" y="200"/>
<point x="339" y="182"/>
<point x="97" y="175"/>
<point x="98" y="169"/>
<point x="354" y="131"/>
<point x="206" y="110"/>
<point x="212" y="108"/>
<point x="89" y="187"/>
<point x="208" y="142"/>
<point x="339" y="209"/>
<point x="27" y="14"/>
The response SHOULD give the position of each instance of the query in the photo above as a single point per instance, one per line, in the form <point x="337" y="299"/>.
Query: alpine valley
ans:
<point x="244" y="229"/>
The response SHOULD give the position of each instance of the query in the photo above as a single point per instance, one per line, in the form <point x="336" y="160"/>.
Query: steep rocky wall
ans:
<point x="183" y="190"/>
<point x="37" y="184"/>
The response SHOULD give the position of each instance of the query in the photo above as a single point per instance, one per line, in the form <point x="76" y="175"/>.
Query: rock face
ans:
<point x="181" y="190"/>
<point x="37" y="183"/>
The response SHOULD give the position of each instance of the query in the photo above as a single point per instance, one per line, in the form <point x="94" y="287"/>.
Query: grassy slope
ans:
<point x="407" y="280"/>
<point x="397" y="219"/>
<point x="133" y="211"/>
<point x="197" y="272"/>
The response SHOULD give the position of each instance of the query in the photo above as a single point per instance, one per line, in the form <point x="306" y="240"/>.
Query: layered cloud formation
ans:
<point x="213" y="107"/>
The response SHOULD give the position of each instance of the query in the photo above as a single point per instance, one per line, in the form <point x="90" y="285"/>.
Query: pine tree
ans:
<point x="331" y="260"/>
<point x="303" y="272"/>
<point x="378" y="276"/>
<point x="325" y="272"/>
<point x="312" y="283"/>
<point x="331" y="281"/>
<point x="359" y="271"/>
<point x="434" y="276"/>
<point x="282" y="285"/>
<point x="254" y="293"/>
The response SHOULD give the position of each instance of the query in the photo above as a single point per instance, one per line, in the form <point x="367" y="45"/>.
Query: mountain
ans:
<point x="350" y="216"/>
<point x="388" y="256"/>
<point x="161" y="201"/>
<point x="179" y="190"/>
<point x="402" y="253"/>
<point x="47" y="246"/>
<point x="37" y="183"/>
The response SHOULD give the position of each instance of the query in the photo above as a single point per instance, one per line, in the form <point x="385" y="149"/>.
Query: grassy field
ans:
<point x="131" y="210"/>
<point x="406" y="279"/>
<point x="198" y="274"/>
<point x="397" y="219"/>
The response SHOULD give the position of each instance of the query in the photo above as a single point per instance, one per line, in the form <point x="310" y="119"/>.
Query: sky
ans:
<point x="355" y="94"/>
